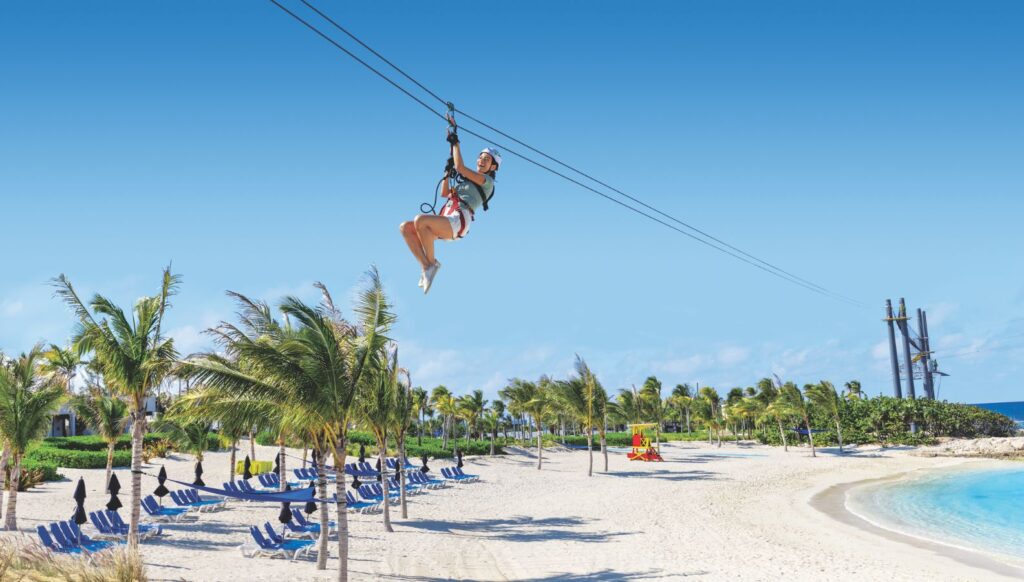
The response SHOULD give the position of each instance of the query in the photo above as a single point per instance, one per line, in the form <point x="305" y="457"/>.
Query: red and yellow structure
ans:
<point x="642" y="449"/>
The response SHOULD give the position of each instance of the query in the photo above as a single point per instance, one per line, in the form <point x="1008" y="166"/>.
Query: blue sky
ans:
<point x="873" y="148"/>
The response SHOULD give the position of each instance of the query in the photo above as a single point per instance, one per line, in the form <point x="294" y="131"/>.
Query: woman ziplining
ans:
<point x="466" y="191"/>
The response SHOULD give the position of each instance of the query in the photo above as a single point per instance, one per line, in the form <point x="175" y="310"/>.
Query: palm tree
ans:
<point x="405" y="412"/>
<point x="28" y="398"/>
<point x="794" y="400"/>
<point x="713" y="404"/>
<point x="63" y="363"/>
<point x="491" y="421"/>
<point x="630" y="405"/>
<point x="682" y="397"/>
<point x="853" y="390"/>
<point x="186" y="436"/>
<point x="107" y="415"/>
<point x="650" y="394"/>
<point x="472" y="407"/>
<point x="438" y="396"/>
<point x="132" y="355"/>
<point x="421" y="402"/>
<point x="316" y="368"/>
<point x="602" y="409"/>
<point x="824" y="397"/>
<point x="378" y="409"/>
<point x="577" y="395"/>
<point x="779" y="410"/>
<point x="448" y="407"/>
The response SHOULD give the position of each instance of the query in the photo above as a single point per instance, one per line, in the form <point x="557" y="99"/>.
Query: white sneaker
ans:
<point x="423" y="279"/>
<point x="428" y="276"/>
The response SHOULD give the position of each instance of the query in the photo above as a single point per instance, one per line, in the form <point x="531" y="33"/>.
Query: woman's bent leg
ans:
<point x="412" y="239"/>
<point x="430" y="228"/>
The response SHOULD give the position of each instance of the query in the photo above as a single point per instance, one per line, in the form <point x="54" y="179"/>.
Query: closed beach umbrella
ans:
<point x="378" y="469"/>
<point x="114" y="504"/>
<point x="355" y="482"/>
<point x="286" y="509"/>
<point x="79" y="496"/>
<point x="311" y="505"/>
<point x="459" y="465"/>
<point x="277" y="463"/>
<point x="247" y="469"/>
<point x="362" y="453"/>
<point x="424" y="468"/>
<point x="160" y="490"/>
<point x="199" y="475"/>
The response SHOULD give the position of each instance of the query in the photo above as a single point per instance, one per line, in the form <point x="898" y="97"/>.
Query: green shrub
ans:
<point x="46" y="468"/>
<point x="78" y="459"/>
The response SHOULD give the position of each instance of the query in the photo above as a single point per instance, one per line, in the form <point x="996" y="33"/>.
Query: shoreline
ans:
<point x="832" y="501"/>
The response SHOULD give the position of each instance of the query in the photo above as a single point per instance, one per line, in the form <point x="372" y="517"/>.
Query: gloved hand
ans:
<point x="453" y="138"/>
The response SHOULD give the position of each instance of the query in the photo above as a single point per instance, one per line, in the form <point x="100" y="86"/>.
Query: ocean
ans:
<point x="975" y="509"/>
<point x="1014" y="410"/>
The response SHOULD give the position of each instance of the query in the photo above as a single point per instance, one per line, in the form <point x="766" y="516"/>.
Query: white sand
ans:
<point x="706" y="513"/>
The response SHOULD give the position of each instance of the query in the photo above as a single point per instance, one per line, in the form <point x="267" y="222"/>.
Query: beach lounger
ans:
<point x="458" y="471"/>
<point x="213" y="503"/>
<point x="75" y="534"/>
<point x="289" y="548"/>
<point x="300" y="531"/>
<point x="352" y="504"/>
<point x="66" y="539"/>
<point x="50" y="544"/>
<point x="428" y="482"/>
<point x="104" y="528"/>
<point x="153" y="509"/>
<point x="145" y="529"/>
<point x="301" y="520"/>
<point x="450" y="474"/>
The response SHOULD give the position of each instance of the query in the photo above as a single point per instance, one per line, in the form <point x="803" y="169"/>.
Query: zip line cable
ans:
<point x="739" y="254"/>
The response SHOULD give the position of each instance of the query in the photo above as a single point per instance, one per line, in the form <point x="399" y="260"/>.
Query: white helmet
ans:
<point x="494" y="155"/>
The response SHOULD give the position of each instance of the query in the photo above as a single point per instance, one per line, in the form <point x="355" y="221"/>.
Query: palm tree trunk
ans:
<point x="657" y="437"/>
<point x="492" y="442"/>
<point x="590" y="450"/>
<point x="400" y="463"/>
<point x="688" y="420"/>
<point x="419" y="433"/>
<point x="234" y="448"/>
<point x="4" y="459"/>
<point x="839" y="433"/>
<point x="810" y="436"/>
<point x="110" y="465"/>
<point x="382" y="455"/>
<point x="252" y="446"/>
<point x="11" y="519"/>
<point x="283" y="474"/>
<point x="540" y="449"/>
<point x="305" y="451"/>
<point x="782" y="433"/>
<point x="321" y="488"/>
<point x="339" y="490"/>
<point x="137" y="434"/>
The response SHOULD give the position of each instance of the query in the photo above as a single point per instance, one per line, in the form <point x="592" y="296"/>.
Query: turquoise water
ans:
<point x="975" y="509"/>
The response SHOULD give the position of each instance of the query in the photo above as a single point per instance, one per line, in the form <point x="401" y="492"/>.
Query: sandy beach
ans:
<point x="739" y="512"/>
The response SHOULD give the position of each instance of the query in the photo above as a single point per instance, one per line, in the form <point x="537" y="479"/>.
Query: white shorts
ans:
<point x="459" y="221"/>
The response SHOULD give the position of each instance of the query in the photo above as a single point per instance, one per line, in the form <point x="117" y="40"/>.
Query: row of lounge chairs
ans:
<point x="110" y="525"/>
<point x="65" y="537"/>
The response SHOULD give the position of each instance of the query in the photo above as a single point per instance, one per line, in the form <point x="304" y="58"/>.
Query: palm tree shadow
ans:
<point x="666" y="476"/>
<point x="519" y="529"/>
<point x="598" y="576"/>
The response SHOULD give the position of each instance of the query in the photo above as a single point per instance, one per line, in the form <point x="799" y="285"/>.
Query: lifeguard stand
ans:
<point x="642" y="449"/>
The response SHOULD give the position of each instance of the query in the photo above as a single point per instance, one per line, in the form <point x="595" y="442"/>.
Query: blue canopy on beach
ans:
<point x="299" y="495"/>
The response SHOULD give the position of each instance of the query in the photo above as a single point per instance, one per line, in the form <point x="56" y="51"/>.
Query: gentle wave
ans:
<point x="979" y="509"/>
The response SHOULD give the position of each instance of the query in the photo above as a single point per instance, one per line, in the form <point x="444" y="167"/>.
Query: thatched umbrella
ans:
<point x="161" y="490"/>
<point x="199" y="475"/>
<point x="247" y="468"/>
<point x="114" y="487"/>
<point x="79" y="517"/>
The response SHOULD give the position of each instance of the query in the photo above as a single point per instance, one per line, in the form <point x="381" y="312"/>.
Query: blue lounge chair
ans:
<point x="212" y="504"/>
<point x="289" y="548"/>
<point x="301" y="520"/>
<point x="153" y="509"/>
<point x="48" y="543"/>
<point x="352" y="504"/>
<point x="118" y="524"/>
<point x="458" y="471"/>
<point x="104" y="527"/>
<point x="302" y="531"/>
<point x="245" y="487"/>
<point x="74" y="533"/>
<point x="428" y="482"/>
<point x="66" y="539"/>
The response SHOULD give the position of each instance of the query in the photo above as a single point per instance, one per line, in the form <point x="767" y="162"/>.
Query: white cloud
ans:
<point x="880" y="351"/>
<point x="732" y="355"/>
<point x="11" y="307"/>
<point x="939" y="313"/>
